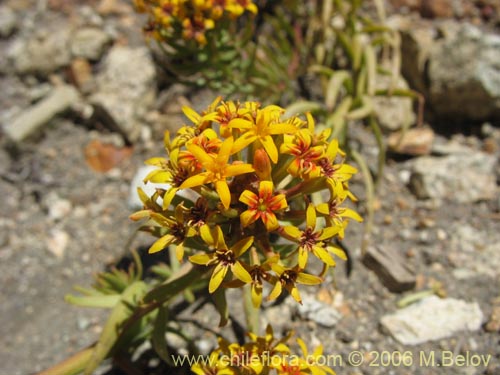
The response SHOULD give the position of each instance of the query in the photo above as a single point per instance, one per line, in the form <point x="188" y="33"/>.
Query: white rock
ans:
<point x="433" y="319"/>
<point x="89" y="43"/>
<point x="464" y="178"/>
<point x="59" y="208"/>
<point x="393" y="112"/>
<point x="7" y="21"/>
<point x="60" y="99"/>
<point x="319" y="312"/>
<point x="57" y="242"/>
<point x="126" y="88"/>
<point x="42" y="54"/>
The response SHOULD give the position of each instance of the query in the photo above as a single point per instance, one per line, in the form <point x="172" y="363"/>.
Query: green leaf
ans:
<point x="158" y="336"/>
<point x="103" y="301"/>
<point x="334" y="85"/>
<point x="301" y="107"/>
<point x="219" y="297"/>
<point x="120" y="313"/>
<point x="172" y="287"/>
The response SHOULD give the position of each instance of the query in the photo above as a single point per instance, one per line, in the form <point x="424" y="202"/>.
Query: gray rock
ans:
<point x="319" y="312"/>
<point x="433" y="319"/>
<point x="391" y="268"/>
<point x="8" y="21"/>
<point x="417" y="44"/>
<point x="42" y="54"/>
<point x="474" y="250"/>
<point x="464" y="178"/>
<point x="29" y="121"/>
<point x="89" y="43"/>
<point x="464" y="74"/>
<point x="393" y="113"/>
<point x="126" y="89"/>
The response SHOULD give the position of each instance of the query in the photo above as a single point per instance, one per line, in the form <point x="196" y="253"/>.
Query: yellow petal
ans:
<point x="270" y="221"/>
<point x="191" y="114"/>
<point x="242" y="246"/>
<point x="167" y="198"/>
<point x="158" y="176"/>
<point x="293" y="232"/>
<point x="275" y="293"/>
<point x="225" y="151"/>
<point x="266" y="189"/>
<point x="256" y="293"/>
<point x="248" y="217"/>
<point x="303" y="347"/>
<point x="270" y="148"/>
<point x="338" y="252"/>
<point x="237" y="169"/>
<point x="278" y="202"/>
<point x="161" y="243"/>
<point x="311" y="216"/>
<point x="217" y="277"/>
<point x="243" y="142"/>
<point x="240" y="123"/>
<point x="156" y="161"/>
<point x="196" y="180"/>
<point x="206" y="235"/>
<point x="136" y="216"/>
<point x="282" y="128"/>
<point x="294" y="292"/>
<point x="332" y="150"/>
<point x="302" y="261"/>
<point x="202" y="259"/>
<point x="179" y="251"/>
<point x="200" y="154"/>
<point x="306" y="279"/>
<point x="328" y="233"/>
<point x="323" y="208"/>
<point x="351" y="214"/>
<point x="249" y="198"/>
<point x="241" y="273"/>
<point x="219" y="238"/>
<point x="224" y="193"/>
<point x="323" y="255"/>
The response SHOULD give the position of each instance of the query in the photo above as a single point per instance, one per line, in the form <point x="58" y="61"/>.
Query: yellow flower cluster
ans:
<point x="263" y="355"/>
<point x="189" y="18"/>
<point x="251" y="177"/>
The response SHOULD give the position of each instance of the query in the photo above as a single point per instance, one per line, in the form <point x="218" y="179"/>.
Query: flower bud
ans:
<point x="262" y="164"/>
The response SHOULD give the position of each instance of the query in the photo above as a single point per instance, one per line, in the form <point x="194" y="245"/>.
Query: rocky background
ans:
<point x="82" y="105"/>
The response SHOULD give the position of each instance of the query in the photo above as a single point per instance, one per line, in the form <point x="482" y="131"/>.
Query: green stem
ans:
<point x="73" y="365"/>
<point x="370" y="198"/>
<point x="251" y="313"/>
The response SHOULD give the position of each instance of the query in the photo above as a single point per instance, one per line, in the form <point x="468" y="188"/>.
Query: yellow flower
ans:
<point x="222" y="257"/>
<point x="266" y="123"/>
<point x="268" y="344"/>
<point x="213" y="366"/>
<point x="177" y="232"/>
<point x="217" y="170"/>
<point x="259" y="273"/>
<point x="314" y="359"/>
<point x="335" y="214"/>
<point x="306" y="154"/>
<point x="335" y="173"/>
<point x="172" y="172"/>
<point x="228" y="111"/>
<point x="262" y="206"/>
<point x="310" y="240"/>
<point x="288" y="278"/>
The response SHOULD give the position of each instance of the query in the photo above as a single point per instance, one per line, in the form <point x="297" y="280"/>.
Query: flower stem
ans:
<point x="251" y="313"/>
